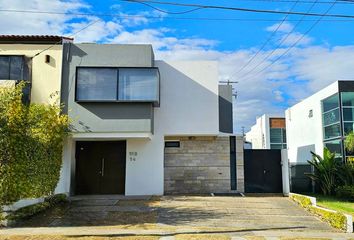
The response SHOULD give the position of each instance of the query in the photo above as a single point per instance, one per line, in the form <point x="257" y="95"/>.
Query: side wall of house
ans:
<point x="46" y="77"/>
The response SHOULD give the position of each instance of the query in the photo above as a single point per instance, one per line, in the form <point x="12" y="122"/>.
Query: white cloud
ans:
<point x="30" y="23"/>
<point x="161" y="42"/>
<point x="284" y="27"/>
<point x="295" y="38"/>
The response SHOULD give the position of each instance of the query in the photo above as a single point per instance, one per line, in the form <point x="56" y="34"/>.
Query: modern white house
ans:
<point x="321" y="120"/>
<point x="269" y="132"/>
<point x="146" y="127"/>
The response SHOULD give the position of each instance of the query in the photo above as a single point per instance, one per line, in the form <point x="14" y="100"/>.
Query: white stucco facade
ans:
<point x="188" y="107"/>
<point x="304" y="126"/>
<point x="259" y="135"/>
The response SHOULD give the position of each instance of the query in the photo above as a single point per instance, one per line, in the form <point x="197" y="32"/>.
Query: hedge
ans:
<point x="31" y="145"/>
<point x="335" y="219"/>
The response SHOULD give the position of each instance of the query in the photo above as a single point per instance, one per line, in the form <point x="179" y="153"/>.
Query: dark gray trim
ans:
<point x="233" y="166"/>
<point x="225" y="109"/>
<point x="346" y="86"/>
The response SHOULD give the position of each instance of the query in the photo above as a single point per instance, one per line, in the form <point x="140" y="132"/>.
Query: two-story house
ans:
<point x="140" y="126"/>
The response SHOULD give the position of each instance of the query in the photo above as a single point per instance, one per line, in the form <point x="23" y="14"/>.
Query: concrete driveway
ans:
<point x="167" y="216"/>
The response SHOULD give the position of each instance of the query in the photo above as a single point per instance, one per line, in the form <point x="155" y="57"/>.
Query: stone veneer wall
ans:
<point x="201" y="165"/>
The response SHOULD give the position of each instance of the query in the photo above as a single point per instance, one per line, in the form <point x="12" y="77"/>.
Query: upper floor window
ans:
<point x="117" y="84"/>
<point x="331" y="117"/>
<point x="13" y="68"/>
<point x="277" y="138"/>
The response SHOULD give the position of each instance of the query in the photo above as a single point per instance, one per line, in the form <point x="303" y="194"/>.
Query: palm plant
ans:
<point x="325" y="171"/>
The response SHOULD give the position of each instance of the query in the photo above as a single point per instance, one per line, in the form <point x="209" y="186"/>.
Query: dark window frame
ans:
<point x="173" y="144"/>
<point x="24" y="68"/>
<point x="155" y="102"/>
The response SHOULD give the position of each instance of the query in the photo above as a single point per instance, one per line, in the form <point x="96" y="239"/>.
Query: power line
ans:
<point x="295" y="43"/>
<point x="292" y="1"/>
<point x="265" y="43"/>
<point x="120" y="16"/>
<point x="235" y="9"/>
<point x="279" y="45"/>
<point x="72" y="35"/>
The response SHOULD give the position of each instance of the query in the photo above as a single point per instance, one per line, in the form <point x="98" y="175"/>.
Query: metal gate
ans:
<point x="263" y="171"/>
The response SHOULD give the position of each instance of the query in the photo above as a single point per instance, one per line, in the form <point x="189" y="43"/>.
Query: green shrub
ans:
<point x="325" y="171"/>
<point x="304" y="201"/>
<point x="345" y="192"/>
<point x="31" y="144"/>
<point x="346" y="173"/>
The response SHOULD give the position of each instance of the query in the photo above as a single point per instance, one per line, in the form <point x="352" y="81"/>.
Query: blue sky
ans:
<point x="322" y="56"/>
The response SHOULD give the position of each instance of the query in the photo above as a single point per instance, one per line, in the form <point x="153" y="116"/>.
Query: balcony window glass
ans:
<point x="117" y="84"/>
<point x="348" y="99"/>
<point x="96" y="84"/>
<point x="332" y="131"/>
<point x="331" y="117"/>
<point x="138" y="84"/>
<point x="330" y="103"/>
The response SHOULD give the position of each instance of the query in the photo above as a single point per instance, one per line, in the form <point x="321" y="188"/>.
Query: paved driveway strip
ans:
<point x="170" y="215"/>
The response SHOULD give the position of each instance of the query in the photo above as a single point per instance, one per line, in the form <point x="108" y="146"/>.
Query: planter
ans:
<point x="335" y="219"/>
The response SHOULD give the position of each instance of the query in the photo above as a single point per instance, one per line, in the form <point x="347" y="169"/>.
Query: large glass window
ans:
<point x="117" y="84"/>
<point x="348" y="99"/>
<point x="330" y="103"/>
<point x="277" y="138"/>
<point x="96" y="84"/>
<point x="335" y="147"/>
<point x="331" y="117"/>
<point x="13" y="68"/>
<point x="138" y="84"/>
<point x="332" y="131"/>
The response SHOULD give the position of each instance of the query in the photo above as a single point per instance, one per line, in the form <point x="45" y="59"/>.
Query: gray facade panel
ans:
<point x="225" y="109"/>
<point x="105" y="117"/>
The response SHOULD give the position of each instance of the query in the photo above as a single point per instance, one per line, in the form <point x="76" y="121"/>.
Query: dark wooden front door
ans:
<point x="100" y="167"/>
<point x="262" y="171"/>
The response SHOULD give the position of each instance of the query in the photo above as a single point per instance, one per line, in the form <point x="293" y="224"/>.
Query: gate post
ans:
<point x="285" y="171"/>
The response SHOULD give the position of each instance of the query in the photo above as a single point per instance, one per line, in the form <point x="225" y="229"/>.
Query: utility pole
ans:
<point x="228" y="82"/>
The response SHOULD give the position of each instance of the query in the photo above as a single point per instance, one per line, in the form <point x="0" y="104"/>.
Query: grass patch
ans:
<point x="335" y="219"/>
<point x="335" y="204"/>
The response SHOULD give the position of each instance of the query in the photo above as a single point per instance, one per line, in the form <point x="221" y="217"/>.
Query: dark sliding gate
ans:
<point x="263" y="171"/>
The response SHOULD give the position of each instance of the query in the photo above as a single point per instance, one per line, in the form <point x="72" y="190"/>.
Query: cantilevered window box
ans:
<point x="117" y="84"/>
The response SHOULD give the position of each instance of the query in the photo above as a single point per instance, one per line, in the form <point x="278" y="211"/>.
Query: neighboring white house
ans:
<point x="321" y="120"/>
<point x="269" y="132"/>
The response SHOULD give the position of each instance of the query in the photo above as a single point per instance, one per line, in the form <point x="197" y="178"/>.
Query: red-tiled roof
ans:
<point x="34" y="39"/>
